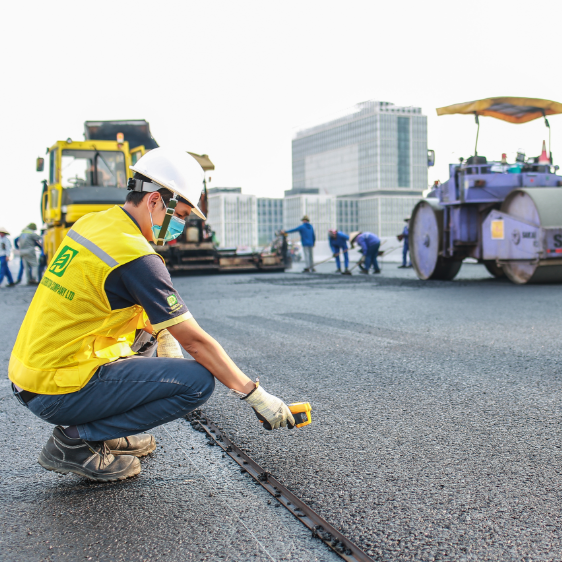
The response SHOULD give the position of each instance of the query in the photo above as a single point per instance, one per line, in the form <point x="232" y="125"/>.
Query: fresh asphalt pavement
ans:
<point x="435" y="436"/>
<point x="190" y="501"/>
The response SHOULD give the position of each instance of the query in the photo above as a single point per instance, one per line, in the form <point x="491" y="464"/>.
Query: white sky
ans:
<point x="234" y="79"/>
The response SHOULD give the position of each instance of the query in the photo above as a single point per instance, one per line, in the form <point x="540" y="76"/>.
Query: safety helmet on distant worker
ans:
<point x="305" y="218"/>
<point x="333" y="232"/>
<point x="32" y="226"/>
<point x="353" y="236"/>
<point x="3" y="230"/>
<point x="173" y="169"/>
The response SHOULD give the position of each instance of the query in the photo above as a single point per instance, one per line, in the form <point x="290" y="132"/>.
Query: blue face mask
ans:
<point x="175" y="228"/>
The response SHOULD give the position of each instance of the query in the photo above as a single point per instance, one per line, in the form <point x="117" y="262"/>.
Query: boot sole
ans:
<point x="139" y="453"/>
<point x="49" y="463"/>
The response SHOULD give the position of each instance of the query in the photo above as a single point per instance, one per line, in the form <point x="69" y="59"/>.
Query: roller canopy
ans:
<point x="512" y="110"/>
<point x="204" y="161"/>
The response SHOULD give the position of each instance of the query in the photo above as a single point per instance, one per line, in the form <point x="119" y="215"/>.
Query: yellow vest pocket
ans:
<point x="68" y="378"/>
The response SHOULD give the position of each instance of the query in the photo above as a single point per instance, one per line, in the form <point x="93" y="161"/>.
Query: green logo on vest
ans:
<point x="62" y="261"/>
<point x="172" y="299"/>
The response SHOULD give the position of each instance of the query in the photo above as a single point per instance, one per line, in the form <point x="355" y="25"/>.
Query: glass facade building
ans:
<point x="373" y="159"/>
<point x="233" y="217"/>
<point x="375" y="146"/>
<point x="270" y="219"/>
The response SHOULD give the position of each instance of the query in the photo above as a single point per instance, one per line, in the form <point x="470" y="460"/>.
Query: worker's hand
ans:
<point x="335" y="255"/>
<point x="272" y="411"/>
<point x="168" y="346"/>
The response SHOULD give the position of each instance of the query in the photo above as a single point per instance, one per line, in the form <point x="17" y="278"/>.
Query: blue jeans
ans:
<point x="128" y="397"/>
<point x="405" y="250"/>
<point x="345" y="258"/>
<point x="5" y="270"/>
<point x="20" y="273"/>
<point x="371" y="257"/>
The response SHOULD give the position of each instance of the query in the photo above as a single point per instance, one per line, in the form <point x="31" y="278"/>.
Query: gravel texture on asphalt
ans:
<point x="436" y="406"/>
<point x="188" y="503"/>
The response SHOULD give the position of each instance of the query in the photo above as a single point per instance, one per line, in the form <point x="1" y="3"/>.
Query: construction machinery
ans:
<point x="91" y="175"/>
<point x="506" y="216"/>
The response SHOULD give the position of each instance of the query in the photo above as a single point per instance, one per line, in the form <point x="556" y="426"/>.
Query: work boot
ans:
<point x="312" y="270"/>
<point x="32" y="282"/>
<point x="136" y="445"/>
<point x="91" y="459"/>
<point x="11" y="285"/>
<point x="337" y="271"/>
<point x="402" y="266"/>
<point x="364" y="271"/>
<point x="306" y="270"/>
<point x="377" y="271"/>
<point x="346" y="272"/>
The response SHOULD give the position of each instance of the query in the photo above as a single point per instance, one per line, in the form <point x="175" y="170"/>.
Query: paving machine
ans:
<point x="196" y="249"/>
<point x="91" y="175"/>
<point x="506" y="216"/>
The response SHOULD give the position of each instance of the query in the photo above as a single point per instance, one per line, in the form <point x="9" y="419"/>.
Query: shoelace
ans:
<point x="102" y="450"/>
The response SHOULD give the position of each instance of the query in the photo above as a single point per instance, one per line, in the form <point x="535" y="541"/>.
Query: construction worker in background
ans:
<point x="20" y="272"/>
<point x="405" y="237"/>
<point x="338" y="245"/>
<point x="27" y="241"/>
<point x="5" y="256"/>
<point x="369" y="245"/>
<point x="42" y="263"/>
<point x="83" y="355"/>
<point x="308" y="239"/>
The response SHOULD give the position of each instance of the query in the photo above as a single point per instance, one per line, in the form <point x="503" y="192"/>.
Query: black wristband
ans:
<point x="244" y="397"/>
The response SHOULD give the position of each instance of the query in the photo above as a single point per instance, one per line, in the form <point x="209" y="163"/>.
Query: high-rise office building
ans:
<point x="374" y="156"/>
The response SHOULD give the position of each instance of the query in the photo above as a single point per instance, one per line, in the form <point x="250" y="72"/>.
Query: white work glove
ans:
<point x="168" y="346"/>
<point x="272" y="411"/>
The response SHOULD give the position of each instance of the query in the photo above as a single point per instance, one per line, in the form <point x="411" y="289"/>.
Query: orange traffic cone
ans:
<point x="544" y="158"/>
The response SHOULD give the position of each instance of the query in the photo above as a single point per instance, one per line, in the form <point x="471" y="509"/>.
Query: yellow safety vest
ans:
<point x="70" y="330"/>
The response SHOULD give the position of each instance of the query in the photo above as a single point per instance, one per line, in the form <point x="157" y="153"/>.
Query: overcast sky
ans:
<point x="233" y="79"/>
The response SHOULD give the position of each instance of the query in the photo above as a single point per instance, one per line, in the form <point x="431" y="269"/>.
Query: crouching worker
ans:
<point x="369" y="245"/>
<point x="338" y="245"/>
<point x="83" y="357"/>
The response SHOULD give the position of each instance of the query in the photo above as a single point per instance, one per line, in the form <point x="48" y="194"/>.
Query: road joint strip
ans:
<point x="320" y="528"/>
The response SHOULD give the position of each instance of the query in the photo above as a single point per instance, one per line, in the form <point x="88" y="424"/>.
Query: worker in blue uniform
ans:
<point x="369" y="245"/>
<point x="338" y="245"/>
<point x="308" y="239"/>
<point x="405" y="237"/>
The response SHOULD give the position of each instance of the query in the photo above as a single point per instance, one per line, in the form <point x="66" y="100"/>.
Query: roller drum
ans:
<point x="542" y="207"/>
<point x="426" y="236"/>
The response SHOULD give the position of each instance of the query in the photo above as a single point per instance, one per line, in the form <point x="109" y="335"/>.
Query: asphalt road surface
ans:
<point x="435" y="436"/>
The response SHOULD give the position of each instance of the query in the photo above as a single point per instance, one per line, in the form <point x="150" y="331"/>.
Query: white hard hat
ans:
<point x="176" y="170"/>
<point x="353" y="236"/>
<point x="3" y="230"/>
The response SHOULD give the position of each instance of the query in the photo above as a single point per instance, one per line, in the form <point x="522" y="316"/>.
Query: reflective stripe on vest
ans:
<point x="70" y="330"/>
<point x="96" y="250"/>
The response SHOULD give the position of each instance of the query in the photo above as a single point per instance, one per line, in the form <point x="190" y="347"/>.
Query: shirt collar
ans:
<point x="131" y="217"/>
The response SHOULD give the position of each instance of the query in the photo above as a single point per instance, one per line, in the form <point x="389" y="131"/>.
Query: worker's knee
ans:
<point x="200" y="384"/>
